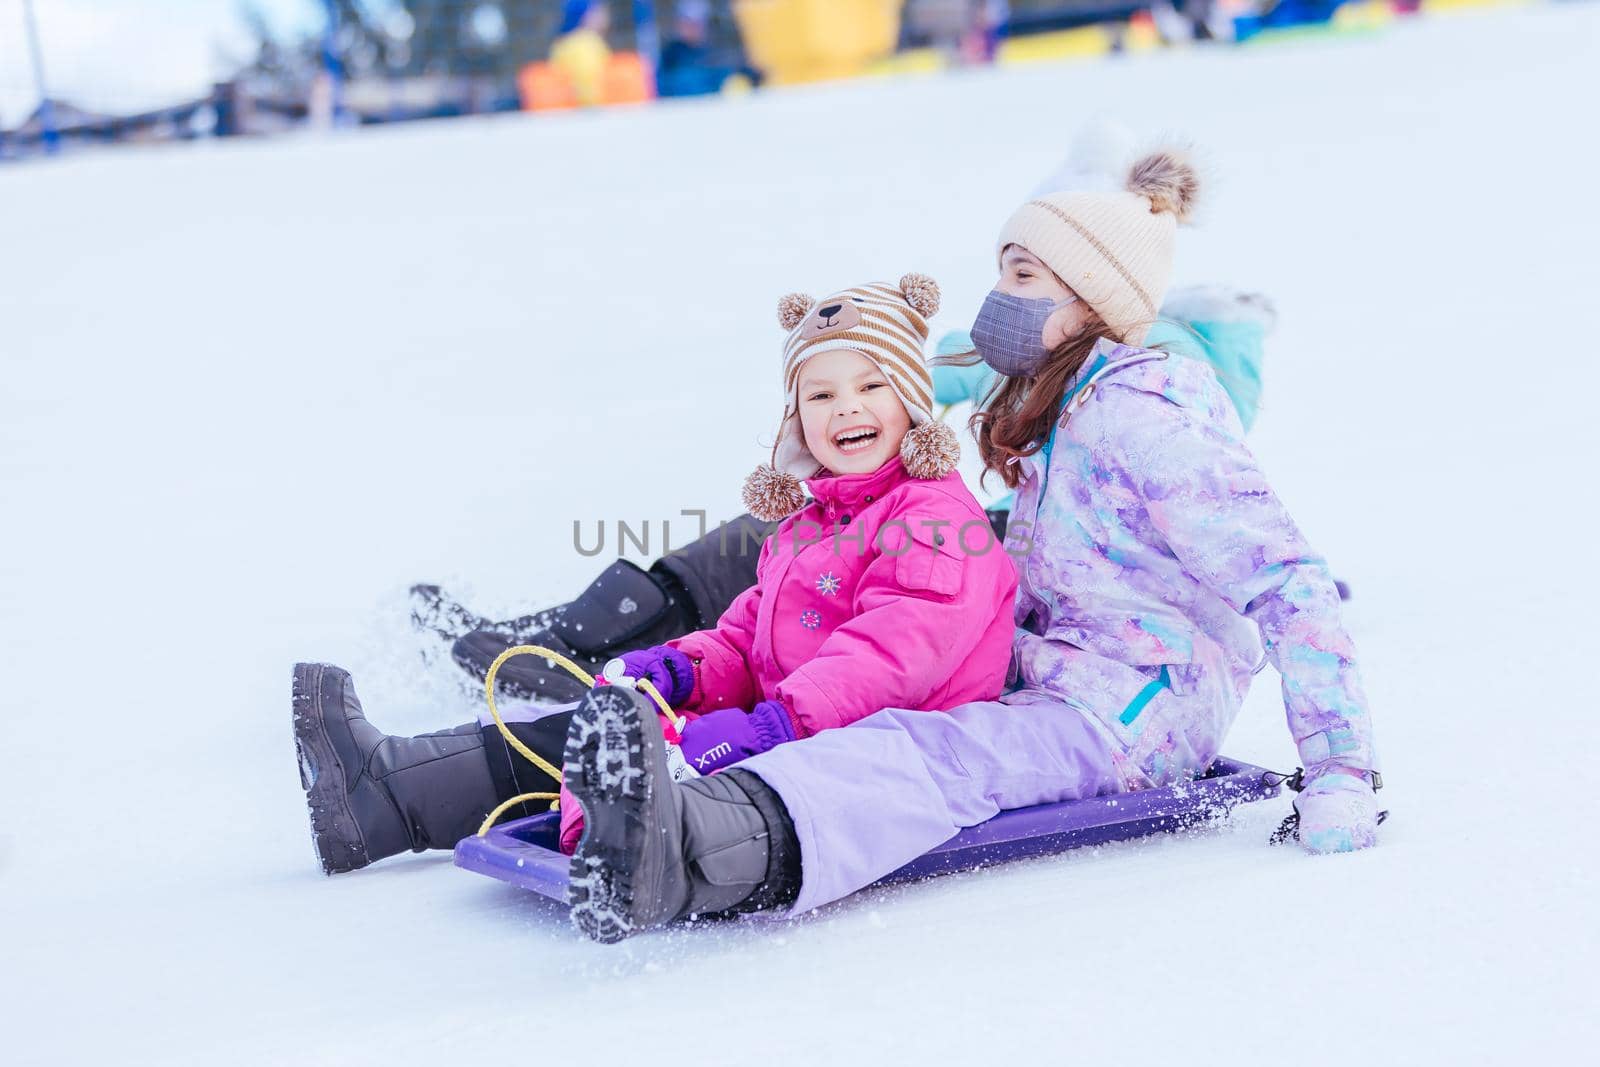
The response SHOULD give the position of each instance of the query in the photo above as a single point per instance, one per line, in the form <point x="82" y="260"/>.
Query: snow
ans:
<point x="251" y="392"/>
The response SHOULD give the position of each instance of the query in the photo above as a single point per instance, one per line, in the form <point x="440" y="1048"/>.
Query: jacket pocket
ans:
<point x="931" y="561"/>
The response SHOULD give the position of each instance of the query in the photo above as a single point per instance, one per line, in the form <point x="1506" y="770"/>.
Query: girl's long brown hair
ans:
<point x="1015" y="417"/>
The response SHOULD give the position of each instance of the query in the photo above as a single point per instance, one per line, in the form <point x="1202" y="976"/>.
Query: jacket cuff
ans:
<point x="772" y="724"/>
<point x="1339" y="766"/>
<point x="810" y="708"/>
<point x="720" y="677"/>
<point x="1342" y="744"/>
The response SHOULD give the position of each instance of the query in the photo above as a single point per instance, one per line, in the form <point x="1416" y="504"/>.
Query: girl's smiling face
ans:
<point x="852" y="419"/>
<point x="1022" y="274"/>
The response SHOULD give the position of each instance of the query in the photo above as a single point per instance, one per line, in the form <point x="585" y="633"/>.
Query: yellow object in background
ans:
<point x="582" y="56"/>
<point x="1364" y="15"/>
<point x="1081" y="43"/>
<point x="1437" y="7"/>
<point x="794" y="41"/>
<point x="911" y="61"/>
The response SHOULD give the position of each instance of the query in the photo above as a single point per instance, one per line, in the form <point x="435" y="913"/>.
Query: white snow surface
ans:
<point x="250" y="392"/>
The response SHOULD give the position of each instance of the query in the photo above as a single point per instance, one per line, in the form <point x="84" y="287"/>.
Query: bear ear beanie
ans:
<point x="889" y="325"/>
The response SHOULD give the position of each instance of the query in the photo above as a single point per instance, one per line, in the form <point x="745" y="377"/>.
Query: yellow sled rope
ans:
<point x="533" y="757"/>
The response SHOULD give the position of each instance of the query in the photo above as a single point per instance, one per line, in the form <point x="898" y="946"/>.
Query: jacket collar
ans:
<point x="852" y="491"/>
<point x="1103" y="355"/>
<point x="1106" y="357"/>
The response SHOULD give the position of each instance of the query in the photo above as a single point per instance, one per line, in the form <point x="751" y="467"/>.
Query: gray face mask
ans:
<point x="1009" y="332"/>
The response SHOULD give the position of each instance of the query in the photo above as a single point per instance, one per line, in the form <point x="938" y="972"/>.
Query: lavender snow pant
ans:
<point x="871" y="797"/>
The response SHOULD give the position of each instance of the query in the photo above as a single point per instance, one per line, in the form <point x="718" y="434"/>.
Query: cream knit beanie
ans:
<point x="1114" y="249"/>
<point x="889" y="325"/>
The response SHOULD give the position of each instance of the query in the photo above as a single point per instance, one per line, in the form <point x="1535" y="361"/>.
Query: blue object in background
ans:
<point x="50" y="136"/>
<point x="691" y="63"/>
<point x="572" y="14"/>
<point x="1285" y="15"/>
<point x="959" y="384"/>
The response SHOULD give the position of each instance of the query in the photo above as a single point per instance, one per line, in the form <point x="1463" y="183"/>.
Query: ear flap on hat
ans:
<point x="922" y="293"/>
<point x="793" y="309"/>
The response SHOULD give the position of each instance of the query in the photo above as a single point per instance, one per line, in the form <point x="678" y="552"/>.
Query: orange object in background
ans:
<point x="628" y="79"/>
<point x="546" y="87"/>
<point x="1142" y="34"/>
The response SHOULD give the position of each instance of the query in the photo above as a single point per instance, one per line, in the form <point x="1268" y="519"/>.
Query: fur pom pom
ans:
<point x="770" y="494"/>
<point x="1168" y="178"/>
<point x="922" y="293"/>
<point x="930" y="451"/>
<point x="793" y="309"/>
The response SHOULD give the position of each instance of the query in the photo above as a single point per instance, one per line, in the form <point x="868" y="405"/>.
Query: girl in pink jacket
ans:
<point x="885" y="589"/>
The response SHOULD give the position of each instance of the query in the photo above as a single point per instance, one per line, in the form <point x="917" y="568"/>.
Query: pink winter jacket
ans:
<point x="886" y="591"/>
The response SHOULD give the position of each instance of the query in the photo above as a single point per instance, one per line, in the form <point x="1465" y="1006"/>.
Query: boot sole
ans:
<point x="340" y="844"/>
<point x="605" y="769"/>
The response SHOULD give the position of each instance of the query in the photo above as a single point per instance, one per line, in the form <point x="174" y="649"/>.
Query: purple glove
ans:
<point x="670" y="671"/>
<point x="725" y="737"/>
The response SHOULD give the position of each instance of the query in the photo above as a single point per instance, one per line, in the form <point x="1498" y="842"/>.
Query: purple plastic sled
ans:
<point x="523" y="852"/>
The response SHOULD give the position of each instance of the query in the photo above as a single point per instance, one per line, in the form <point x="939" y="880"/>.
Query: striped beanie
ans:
<point x="1114" y="248"/>
<point x="889" y="325"/>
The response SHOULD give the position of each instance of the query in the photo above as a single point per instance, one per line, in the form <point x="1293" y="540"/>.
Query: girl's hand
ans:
<point x="1338" y="810"/>
<point x="725" y="737"/>
<point x="670" y="671"/>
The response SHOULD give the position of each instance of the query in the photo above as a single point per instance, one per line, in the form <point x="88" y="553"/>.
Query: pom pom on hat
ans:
<point x="793" y="309"/>
<point x="1114" y="248"/>
<point x="771" y="494"/>
<point x="929" y="451"/>
<point x="922" y="293"/>
<point x="1169" y="180"/>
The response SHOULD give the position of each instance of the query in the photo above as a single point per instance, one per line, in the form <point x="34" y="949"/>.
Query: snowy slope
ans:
<point x="250" y="392"/>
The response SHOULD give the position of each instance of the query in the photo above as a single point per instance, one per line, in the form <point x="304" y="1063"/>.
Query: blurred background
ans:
<point x="75" y="74"/>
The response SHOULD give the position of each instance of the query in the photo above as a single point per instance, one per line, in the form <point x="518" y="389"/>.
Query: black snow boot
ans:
<point x="372" y="795"/>
<point x="623" y="609"/>
<point x="436" y="612"/>
<point x="653" y="850"/>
